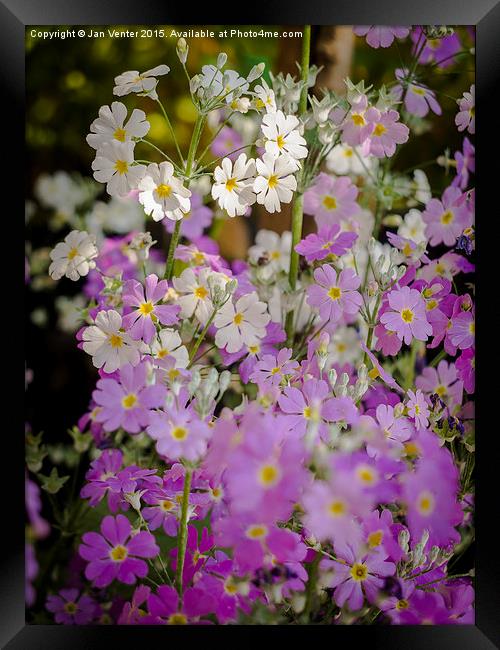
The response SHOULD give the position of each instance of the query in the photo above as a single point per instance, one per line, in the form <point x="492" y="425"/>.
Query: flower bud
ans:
<point x="221" y="60"/>
<point x="182" y="50"/>
<point x="256" y="72"/>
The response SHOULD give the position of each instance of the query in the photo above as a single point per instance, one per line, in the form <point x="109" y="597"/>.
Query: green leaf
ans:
<point x="53" y="483"/>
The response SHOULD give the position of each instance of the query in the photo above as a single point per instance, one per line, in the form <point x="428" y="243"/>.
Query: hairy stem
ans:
<point x="182" y="535"/>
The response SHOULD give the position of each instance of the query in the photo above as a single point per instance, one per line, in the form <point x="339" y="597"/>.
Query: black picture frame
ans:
<point x="15" y="15"/>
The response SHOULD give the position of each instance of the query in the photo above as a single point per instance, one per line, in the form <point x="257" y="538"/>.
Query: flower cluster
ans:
<point x="289" y="438"/>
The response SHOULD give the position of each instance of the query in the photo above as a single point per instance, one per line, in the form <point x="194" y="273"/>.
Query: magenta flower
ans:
<point x="226" y="141"/>
<point x="387" y="132"/>
<point x="114" y="555"/>
<point x="140" y="323"/>
<point x="397" y="430"/>
<point x="442" y="381"/>
<point x="166" y="608"/>
<point x="419" y="99"/>
<point x="378" y="533"/>
<point x="195" y="221"/>
<point x="179" y="434"/>
<point x="331" y="199"/>
<point x="418" y="409"/>
<point x="466" y="162"/>
<point x="271" y="369"/>
<point x="465" y="118"/>
<point x="102" y="478"/>
<point x="328" y="241"/>
<point x="466" y="367"/>
<point x="380" y="35"/>
<point x="360" y="576"/>
<point x="127" y="403"/>
<point x="408" y="318"/>
<point x="387" y="342"/>
<point x="334" y="295"/>
<point x="71" y="608"/>
<point x="440" y="51"/>
<point x="426" y="608"/>
<point x="355" y="127"/>
<point x="197" y="553"/>
<point x="308" y="407"/>
<point x="132" y="614"/>
<point x="447" y="218"/>
<point x="462" y="332"/>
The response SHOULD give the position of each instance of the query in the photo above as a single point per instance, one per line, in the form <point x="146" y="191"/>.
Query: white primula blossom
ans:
<point x="344" y="347"/>
<point x="265" y="98"/>
<point x="145" y="83"/>
<point x="344" y="159"/>
<point x="111" y="125"/>
<point x="120" y="215"/>
<point x="233" y="185"/>
<point x="273" y="247"/>
<point x="74" y="257"/>
<point x="114" y="165"/>
<point x="211" y="80"/>
<point x="169" y="344"/>
<point x="61" y="192"/>
<point x="423" y="189"/>
<point x="195" y="292"/>
<point x="282" y="135"/>
<point x="110" y="347"/>
<point x="162" y="194"/>
<point x="241" y="324"/>
<point x="275" y="182"/>
<point x="413" y="227"/>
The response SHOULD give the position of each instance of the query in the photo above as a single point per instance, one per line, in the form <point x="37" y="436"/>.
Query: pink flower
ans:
<point x="328" y="241"/>
<point x="408" y="318"/>
<point x="419" y="99"/>
<point x="442" y="381"/>
<point x="308" y="407"/>
<point x="331" y="199"/>
<point x="166" y="608"/>
<point x="355" y="126"/>
<point x="334" y="294"/>
<point x="227" y="140"/>
<point x="102" y="477"/>
<point x="418" y="409"/>
<point x="466" y="367"/>
<point x="179" y="434"/>
<point x="447" y="218"/>
<point x="114" y="555"/>
<point x="465" y="118"/>
<point x="140" y="323"/>
<point x="71" y="608"/>
<point x="441" y="51"/>
<point x="379" y="35"/>
<point x="128" y="402"/>
<point x="271" y="369"/>
<point x="466" y="162"/>
<point x="462" y="333"/>
<point x="387" y="132"/>
<point x="193" y="222"/>
<point x="397" y="430"/>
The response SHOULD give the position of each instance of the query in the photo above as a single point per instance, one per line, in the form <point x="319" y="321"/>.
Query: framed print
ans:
<point x="252" y="275"/>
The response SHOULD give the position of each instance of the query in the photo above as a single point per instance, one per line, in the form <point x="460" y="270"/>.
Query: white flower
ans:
<point x="140" y="245"/>
<point x="110" y="125"/>
<point x="169" y="343"/>
<point x="413" y="227"/>
<point x="218" y="84"/>
<point x="342" y="160"/>
<point x="265" y="98"/>
<point x="110" y="347"/>
<point x="423" y="189"/>
<point x="231" y="81"/>
<point x="240" y="104"/>
<point x="233" y="185"/>
<point x="276" y="248"/>
<point x="275" y="182"/>
<point x="162" y="194"/>
<point x="241" y="324"/>
<point x="61" y="192"/>
<point x="114" y="165"/>
<point x="74" y="256"/>
<point x="145" y="83"/>
<point x="195" y="290"/>
<point x="120" y="215"/>
<point x="344" y="347"/>
<point x="70" y="312"/>
<point x="282" y="135"/>
<point x="211" y="80"/>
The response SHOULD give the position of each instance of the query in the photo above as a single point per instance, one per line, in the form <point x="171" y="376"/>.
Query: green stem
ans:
<point x="311" y="586"/>
<point x="371" y="327"/>
<point x="437" y="358"/>
<point x="201" y="337"/>
<point x="298" y="204"/>
<point x="182" y="536"/>
<point x="171" y="129"/>
<point x="174" y="240"/>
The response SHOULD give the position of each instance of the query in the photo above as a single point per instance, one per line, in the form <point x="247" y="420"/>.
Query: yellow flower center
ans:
<point x="374" y="373"/>
<point x="472" y="328"/>
<point x="402" y="604"/>
<point x="230" y="184"/>
<point x="379" y="130"/>
<point x="70" y="608"/>
<point x="417" y="91"/>
<point x="129" y="401"/>
<point x="275" y="370"/>
<point x="359" y="572"/>
<point x="164" y="191"/>
<point x="120" y="134"/>
<point x="146" y="308"/>
<point x="268" y="475"/>
<point x="411" y="449"/>
<point x="307" y="412"/>
<point x="280" y="141"/>
<point x="173" y="373"/>
<point x="334" y="293"/>
<point x="258" y="531"/>
<point x="272" y="181"/>
<point x="254" y="349"/>
<point x="229" y="587"/>
<point x="375" y="538"/>
<point x="407" y="315"/>
<point x="407" y="251"/>
<point x="167" y="505"/>
<point x="201" y="293"/>
<point x="177" y="619"/>
<point x="348" y="152"/>
<point x="425" y="503"/>
<point x="447" y="217"/>
<point x="330" y="203"/>
<point x="441" y="390"/>
<point x="162" y="353"/>
<point x="115" y="341"/>
<point x="336" y="508"/>
<point x="73" y="253"/>
<point x="432" y="304"/>
<point x="366" y="475"/>
<point x="121" y="166"/>
<point x="358" y="119"/>
<point x="118" y="553"/>
<point x="238" y="319"/>
<point x="179" y="433"/>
